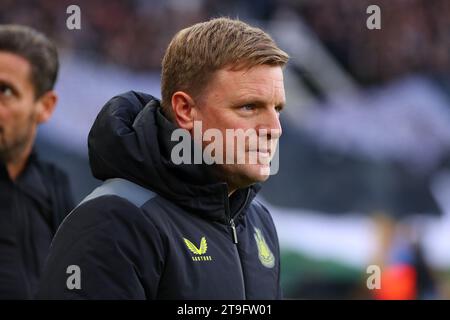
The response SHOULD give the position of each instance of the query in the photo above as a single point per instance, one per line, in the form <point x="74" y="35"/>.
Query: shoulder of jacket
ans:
<point x="127" y="190"/>
<point x="114" y="199"/>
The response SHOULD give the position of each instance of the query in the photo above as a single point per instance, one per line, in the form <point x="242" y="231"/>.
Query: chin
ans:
<point x="241" y="176"/>
<point x="255" y="173"/>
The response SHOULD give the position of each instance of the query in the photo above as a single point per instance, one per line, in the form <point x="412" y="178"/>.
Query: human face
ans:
<point x="245" y="99"/>
<point x="18" y="110"/>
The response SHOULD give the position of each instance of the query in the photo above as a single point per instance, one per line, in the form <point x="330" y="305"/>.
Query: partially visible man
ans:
<point x="160" y="229"/>
<point x="34" y="196"/>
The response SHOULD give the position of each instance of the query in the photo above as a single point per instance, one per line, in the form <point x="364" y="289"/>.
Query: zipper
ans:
<point x="233" y="228"/>
<point x="235" y="239"/>
<point x="232" y="224"/>
<point x="241" y="271"/>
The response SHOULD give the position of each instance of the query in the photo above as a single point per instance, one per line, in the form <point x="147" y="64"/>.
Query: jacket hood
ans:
<point x="130" y="139"/>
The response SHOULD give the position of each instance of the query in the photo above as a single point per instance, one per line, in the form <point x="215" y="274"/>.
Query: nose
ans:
<point x="270" y="125"/>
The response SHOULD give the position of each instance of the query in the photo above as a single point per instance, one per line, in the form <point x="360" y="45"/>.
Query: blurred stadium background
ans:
<point x="365" y="155"/>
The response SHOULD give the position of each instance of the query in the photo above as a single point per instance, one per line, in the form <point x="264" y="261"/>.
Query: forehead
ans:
<point x="262" y="82"/>
<point x="14" y="68"/>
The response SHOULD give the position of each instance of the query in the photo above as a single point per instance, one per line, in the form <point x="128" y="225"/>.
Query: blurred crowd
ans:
<point x="134" y="33"/>
<point x="413" y="36"/>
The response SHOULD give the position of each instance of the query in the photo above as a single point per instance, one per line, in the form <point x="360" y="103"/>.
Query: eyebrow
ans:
<point x="257" y="101"/>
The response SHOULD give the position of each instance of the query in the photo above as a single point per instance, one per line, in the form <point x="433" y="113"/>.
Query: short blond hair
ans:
<point x="196" y="52"/>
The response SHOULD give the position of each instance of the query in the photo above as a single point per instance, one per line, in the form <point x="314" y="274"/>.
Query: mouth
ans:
<point x="263" y="152"/>
<point x="263" y="156"/>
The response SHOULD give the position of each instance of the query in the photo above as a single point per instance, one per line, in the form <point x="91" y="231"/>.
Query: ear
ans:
<point x="184" y="111"/>
<point x="46" y="106"/>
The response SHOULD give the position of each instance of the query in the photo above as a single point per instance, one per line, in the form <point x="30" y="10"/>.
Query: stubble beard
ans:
<point x="11" y="150"/>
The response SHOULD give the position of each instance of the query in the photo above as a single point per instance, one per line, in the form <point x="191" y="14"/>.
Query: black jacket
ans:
<point x="155" y="230"/>
<point x="31" y="209"/>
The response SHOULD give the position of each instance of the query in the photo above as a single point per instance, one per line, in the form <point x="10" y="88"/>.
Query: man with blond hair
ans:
<point x="159" y="228"/>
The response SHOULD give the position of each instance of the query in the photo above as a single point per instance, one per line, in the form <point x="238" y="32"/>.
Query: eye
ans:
<point x="6" y="90"/>
<point x="278" y="109"/>
<point x="248" y="107"/>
